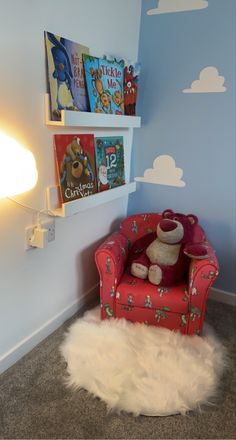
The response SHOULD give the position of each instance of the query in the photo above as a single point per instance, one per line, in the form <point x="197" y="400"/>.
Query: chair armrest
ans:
<point x="111" y="257"/>
<point x="202" y="273"/>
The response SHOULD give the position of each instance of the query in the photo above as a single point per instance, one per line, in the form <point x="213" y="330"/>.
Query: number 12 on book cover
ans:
<point x="109" y="153"/>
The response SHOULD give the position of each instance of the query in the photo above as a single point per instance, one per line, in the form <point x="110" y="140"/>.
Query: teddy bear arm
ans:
<point x="140" y="246"/>
<point x="196" y="250"/>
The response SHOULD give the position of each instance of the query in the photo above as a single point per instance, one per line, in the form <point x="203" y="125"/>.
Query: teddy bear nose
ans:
<point x="75" y="164"/>
<point x="167" y="225"/>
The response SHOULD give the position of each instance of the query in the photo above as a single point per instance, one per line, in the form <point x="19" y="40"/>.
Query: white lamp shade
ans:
<point x="18" y="172"/>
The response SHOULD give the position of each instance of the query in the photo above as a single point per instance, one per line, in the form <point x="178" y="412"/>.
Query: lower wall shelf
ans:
<point x="76" y="206"/>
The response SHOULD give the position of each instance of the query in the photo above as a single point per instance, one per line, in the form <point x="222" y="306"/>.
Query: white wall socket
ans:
<point x="47" y="235"/>
<point x="51" y="227"/>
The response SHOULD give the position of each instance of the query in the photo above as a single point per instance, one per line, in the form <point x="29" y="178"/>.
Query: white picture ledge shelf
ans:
<point x="76" y="206"/>
<point x="71" y="118"/>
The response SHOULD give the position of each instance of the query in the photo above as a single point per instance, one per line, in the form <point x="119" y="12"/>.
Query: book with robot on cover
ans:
<point x="131" y="79"/>
<point x="65" y="75"/>
<point x="109" y="153"/>
<point x="76" y="165"/>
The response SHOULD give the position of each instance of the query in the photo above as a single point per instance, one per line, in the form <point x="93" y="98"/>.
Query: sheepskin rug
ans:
<point x="140" y="369"/>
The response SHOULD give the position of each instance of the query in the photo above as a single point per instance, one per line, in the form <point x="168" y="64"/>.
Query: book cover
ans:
<point x="131" y="80"/>
<point x="109" y="153"/>
<point x="104" y="81"/>
<point x="75" y="160"/>
<point x="65" y="75"/>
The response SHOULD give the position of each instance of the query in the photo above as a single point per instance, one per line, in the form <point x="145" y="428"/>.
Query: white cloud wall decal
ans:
<point x="164" y="172"/>
<point x="209" y="82"/>
<point x="168" y="6"/>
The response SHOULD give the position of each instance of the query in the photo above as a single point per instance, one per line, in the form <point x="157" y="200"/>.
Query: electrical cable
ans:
<point x="45" y="212"/>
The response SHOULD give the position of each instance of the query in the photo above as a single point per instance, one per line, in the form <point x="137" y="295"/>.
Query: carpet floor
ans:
<point x="34" y="403"/>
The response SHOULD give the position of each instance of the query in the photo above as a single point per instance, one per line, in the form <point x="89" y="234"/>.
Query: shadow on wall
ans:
<point x="224" y="248"/>
<point x="87" y="275"/>
<point x="116" y="224"/>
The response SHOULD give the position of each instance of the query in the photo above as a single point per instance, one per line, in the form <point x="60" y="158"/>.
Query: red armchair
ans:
<point x="179" y="307"/>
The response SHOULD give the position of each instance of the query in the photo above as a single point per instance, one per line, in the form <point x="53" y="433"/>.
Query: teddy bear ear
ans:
<point x="193" y="219"/>
<point x="167" y="212"/>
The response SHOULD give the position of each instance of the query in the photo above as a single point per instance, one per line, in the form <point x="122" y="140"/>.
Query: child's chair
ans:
<point x="179" y="307"/>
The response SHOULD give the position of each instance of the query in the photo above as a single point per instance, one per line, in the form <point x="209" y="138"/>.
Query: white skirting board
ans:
<point x="27" y="344"/>
<point x="222" y="296"/>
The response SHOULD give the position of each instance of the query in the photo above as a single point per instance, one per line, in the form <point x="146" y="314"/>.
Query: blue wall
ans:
<point x="198" y="130"/>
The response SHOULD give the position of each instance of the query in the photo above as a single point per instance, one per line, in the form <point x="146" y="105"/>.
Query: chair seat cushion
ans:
<point x="133" y="291"/>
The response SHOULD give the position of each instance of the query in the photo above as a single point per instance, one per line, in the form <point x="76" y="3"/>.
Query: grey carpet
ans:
<point x="34" y="403"/>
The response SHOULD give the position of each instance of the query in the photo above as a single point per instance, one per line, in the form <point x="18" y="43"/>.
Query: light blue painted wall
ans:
<point x="198" y="130"/>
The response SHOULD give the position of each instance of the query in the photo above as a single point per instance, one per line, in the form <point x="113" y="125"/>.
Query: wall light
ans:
<point x="18" y="172"/>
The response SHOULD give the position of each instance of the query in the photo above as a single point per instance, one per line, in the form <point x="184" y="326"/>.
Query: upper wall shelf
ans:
<point x="87" y="119"/>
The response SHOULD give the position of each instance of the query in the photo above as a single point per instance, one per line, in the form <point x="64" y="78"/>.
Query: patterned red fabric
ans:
<point x="157" y="317"/>
<point x="202" y="273"/>
<point x="141" y="293"/>
<point x="137" y="226"/>
<point x="180" y="307"/>
<point x="110" y="258"/>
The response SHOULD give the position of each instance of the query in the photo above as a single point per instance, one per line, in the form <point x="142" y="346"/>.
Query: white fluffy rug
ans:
<point x="141" y="369"/>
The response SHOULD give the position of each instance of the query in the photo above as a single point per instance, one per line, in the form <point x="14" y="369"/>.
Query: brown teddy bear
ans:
<point x="74" y="164"/>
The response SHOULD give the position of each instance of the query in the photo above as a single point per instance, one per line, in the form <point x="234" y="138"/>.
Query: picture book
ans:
<point x="131" y="80"/>
<point x="109" y="153"/>
<point x="104" y="81"/>
<point x="65" y="75"/>
<point x="76" y="165"/>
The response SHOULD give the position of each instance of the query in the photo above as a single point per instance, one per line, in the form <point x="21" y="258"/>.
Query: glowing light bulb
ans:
<point x="18" y="171"/>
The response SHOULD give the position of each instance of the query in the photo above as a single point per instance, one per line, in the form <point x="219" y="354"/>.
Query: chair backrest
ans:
<point x="138" y="225"/>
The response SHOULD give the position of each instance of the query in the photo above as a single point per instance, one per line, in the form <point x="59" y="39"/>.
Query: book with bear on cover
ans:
<point x="104" y="81"/>
<point x="109" y="153"/>
<point x="65" y="75"/>
<point x="76" y="165"/>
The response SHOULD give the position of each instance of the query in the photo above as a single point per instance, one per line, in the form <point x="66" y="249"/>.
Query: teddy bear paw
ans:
<point x="139" y="270"/>
<point x="155" y="274"/>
